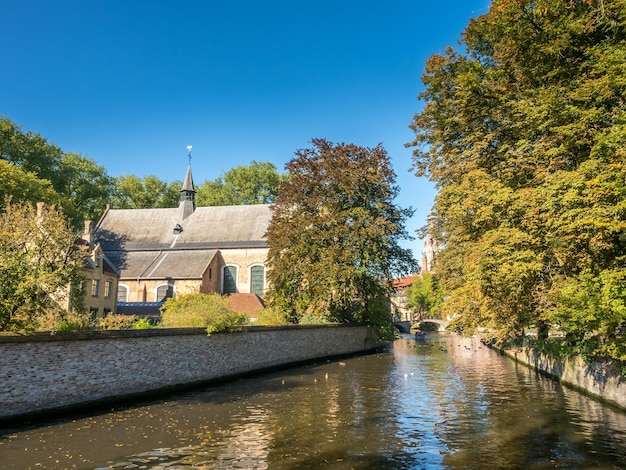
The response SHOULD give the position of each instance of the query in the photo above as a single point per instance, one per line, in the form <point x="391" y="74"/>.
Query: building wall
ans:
<point x="101" y="303"/>
<point x="43" y="373"/>
<point x="211" y="280"/>
<point x="244" y="259"/>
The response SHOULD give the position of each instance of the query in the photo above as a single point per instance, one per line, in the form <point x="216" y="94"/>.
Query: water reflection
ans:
<point x="446" y="402"/>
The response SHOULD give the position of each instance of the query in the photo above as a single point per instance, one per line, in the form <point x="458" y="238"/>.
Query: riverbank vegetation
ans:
<point x="524" y="133"/>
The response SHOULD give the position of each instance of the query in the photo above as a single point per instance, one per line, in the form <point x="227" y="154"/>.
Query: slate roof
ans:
<point x="159" y="264"/>
<point x="207" y="228"/>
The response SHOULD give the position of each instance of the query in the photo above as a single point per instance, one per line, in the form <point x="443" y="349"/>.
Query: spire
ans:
<point x="187" y="199"/>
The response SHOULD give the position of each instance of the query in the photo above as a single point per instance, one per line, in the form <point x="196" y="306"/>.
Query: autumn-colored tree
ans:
<point x="334" y="235"/>
<point x="523" y="133"/>
<point x="40" y="267"/>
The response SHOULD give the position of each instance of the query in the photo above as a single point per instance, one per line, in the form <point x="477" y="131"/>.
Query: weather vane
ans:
<point x="189" y="153"/>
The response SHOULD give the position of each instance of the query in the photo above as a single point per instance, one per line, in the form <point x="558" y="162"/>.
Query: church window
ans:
<point x="122" y="293"/>
<point x="230" y="280"/>
<point x="257" y="280"/>
<point x="163" y="292"/>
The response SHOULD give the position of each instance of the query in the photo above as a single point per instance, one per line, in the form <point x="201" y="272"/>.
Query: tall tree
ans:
<point x="83" y="186"/>
<point x="39" y="261"/>
<point x="425" y="295"/>
<point x="523" y="132"/>
<point x="15" y="183"/>
<point x="256" y="183"/>
<point x="133" y="192"/>
<point x="335" y="232"/>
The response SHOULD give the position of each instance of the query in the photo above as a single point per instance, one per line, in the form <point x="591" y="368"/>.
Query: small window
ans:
<point x="230" y="280"/>
<point x="95" y="287"/>
<point x="257" y="280"/>
<point x="108" y="287"/>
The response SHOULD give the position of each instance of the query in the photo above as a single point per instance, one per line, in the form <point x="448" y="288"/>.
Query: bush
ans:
<point x="143" y="324"/>
<point x="117" y="322"/>
<point x="69" y="322"/>
<point x="195" y="310"/>
<point x="271" y="316"/>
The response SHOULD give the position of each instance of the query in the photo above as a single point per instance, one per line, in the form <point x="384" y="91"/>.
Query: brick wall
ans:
<point x="45" y="373"/>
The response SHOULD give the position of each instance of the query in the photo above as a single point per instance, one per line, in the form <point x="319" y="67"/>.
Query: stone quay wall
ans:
<point x="44" y="374"/>
<point x="596" y="379"/>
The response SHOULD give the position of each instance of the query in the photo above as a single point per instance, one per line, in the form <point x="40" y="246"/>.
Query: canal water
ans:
<point x="445" y="402"/>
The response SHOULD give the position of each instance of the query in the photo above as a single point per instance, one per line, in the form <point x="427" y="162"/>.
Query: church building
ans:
<point x="163" y="252"/>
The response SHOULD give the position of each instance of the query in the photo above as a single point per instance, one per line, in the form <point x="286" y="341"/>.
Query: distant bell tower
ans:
<point x="187" y="203"/>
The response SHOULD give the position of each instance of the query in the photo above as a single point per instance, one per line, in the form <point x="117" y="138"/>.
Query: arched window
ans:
<point x="257" y="280"/>
<point x="163" y="292"/>
<point x="230" y="280"/>
<point x="122" y="293"/>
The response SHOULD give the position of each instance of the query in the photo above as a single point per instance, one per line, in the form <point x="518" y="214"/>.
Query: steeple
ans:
<point x="187" y="194"/>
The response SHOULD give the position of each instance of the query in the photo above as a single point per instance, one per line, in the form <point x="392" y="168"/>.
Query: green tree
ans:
<point x="195" y="310"/>
<point x="40" y="267"/>
<point x="133" y="192"/>
<point x="83" y="186"/>
<point x="256" y="183"/>
<point x="334" y="235"/>
<point x="523" y="133"/>
<point x="17" y="184"/>
<point x="425" y="295"/>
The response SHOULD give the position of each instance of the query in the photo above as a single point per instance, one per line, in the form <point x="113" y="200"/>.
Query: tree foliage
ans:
<point x="425" y="295"/>
<point x="82" y="186"/>
<point x="334" y="234"/>
<point x="39" y="261"/>
<point x="17" y="184"/>
<point x="133" y="192"/>
<point x="524" y="133"/>
<point x="256" y="183"/>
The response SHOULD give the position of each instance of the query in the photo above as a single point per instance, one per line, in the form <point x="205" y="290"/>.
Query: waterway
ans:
<point x="443" y="403"/>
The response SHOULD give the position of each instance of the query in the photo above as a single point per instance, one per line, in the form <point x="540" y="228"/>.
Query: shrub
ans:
<point x="195" y="310"/>
<point x="117" y="322"/>
<point x="271" y="316"/>
<point x="69" y="322"/>
<point x="142" y="324"/>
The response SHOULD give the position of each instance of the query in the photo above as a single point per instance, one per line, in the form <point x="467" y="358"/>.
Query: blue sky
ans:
<point x="131" y="83"/>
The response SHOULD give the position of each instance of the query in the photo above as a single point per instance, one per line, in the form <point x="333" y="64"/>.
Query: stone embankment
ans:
<point x="597" y="379"/>
<point x="44" y="374"/>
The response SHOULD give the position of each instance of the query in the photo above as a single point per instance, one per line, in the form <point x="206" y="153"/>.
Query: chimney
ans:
<point x="88" y="231"/>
